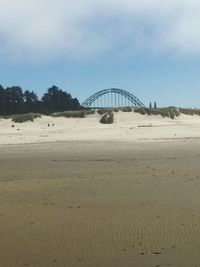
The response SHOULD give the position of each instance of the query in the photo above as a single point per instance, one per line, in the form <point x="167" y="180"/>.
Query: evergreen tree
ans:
<point x="150" y="105"/>
<point x="2" y="101"/>
<point x="57" y="100"/>
<point x="31" y="102"/>
<point x="155" y="105"/>
<point x="14" y="101"/>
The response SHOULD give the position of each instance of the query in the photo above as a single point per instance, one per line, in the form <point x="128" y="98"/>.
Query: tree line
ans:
<point x="14" y="101"/>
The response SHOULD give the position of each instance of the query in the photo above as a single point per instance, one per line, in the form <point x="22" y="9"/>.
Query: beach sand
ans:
<point x="127" y="126"/>
<point x="101" y="203"/>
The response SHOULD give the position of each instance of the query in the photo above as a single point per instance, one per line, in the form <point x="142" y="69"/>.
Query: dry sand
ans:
<point x="101" y="203"/>
<point x="127" y="126"/>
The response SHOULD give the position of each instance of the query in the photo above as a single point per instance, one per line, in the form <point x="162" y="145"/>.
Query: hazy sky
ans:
<point x="150" y="48"/>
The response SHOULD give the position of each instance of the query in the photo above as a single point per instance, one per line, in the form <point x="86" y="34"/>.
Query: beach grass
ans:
<point x="104" y="111"/>
<point x="189" y="111"/>
<point x="168" y="112"/>
<point x="70" y="114"/>
<point x="126" y="109"/>
<point x="20" y="118"/>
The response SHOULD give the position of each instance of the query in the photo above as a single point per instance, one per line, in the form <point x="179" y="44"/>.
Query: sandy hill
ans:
<point x="128" y="126"/>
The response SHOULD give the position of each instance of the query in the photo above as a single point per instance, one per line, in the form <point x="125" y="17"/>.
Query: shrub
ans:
<point x="116" y="109"/>
<point x="90" y="111"/>
<point x="169" y="112"/>
<point x="164" y="112"/>
<point x="126" y="109"/>
<point x="70" y="114"/>
<point x="107" y="118"/>
<point x="103" y="111"/>
<point x="25" y="117"/>
<point x="140" y="111"/>
<point x="176" y="112"/>
<point x="189" y="111"/>
<point x="7" y="117"/>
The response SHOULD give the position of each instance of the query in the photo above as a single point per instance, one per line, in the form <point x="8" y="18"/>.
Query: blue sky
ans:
<point x="148" y="48"/>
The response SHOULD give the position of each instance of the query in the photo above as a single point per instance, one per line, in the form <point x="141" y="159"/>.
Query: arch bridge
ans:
<point x="110" y="98"/>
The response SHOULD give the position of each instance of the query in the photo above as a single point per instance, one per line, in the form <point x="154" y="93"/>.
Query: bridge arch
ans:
<point x="112" y="97"/>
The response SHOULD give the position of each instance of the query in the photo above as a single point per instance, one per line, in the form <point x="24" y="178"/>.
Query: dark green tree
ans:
<point x="155" y="105"/>
<point x="14" y="98"/>
<point x="30" y="97"/>
<point x="2" y="101"/>
<point x="14" y="101"/>
<point x="31" y="102"/>
<point x="150" y="105"/>
<point x="57" y="100"/>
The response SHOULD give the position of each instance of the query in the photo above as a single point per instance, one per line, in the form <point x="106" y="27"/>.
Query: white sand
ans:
<point x="126" y="127"/>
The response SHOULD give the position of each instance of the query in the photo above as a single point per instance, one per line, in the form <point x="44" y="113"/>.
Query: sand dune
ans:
<point x="127" y="126"/>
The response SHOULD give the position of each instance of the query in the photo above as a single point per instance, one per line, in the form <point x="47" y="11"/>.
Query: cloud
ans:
<point x="40" y="30"/>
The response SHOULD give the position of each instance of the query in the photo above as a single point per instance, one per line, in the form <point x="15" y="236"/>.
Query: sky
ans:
<point x="150" y="48"/>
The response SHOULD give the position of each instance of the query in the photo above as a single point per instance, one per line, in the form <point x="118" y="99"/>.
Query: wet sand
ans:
<point x="100" y="204"/>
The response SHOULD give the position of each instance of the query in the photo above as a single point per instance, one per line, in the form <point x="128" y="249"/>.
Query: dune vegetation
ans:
<point x="70" y="114"/>
<point x="25" y="117"/>
<point x="107" y="118"/>
<point x="107" y="114"/>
